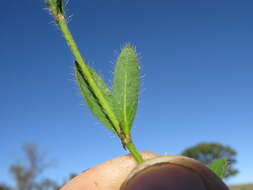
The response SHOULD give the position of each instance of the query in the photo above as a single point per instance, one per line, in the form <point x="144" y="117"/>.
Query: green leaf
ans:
<point x="126" y="87"/>
<point x="91" y="99"/>
<point x="219" y="167"/>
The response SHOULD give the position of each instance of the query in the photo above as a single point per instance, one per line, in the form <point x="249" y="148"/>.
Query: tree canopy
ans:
<point x="26" y="174"/>
<point x="207" y="153"/>
<point x="4" y="187"/>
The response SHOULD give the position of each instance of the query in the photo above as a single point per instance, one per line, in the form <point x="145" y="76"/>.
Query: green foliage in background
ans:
<point x="207" y="153"/>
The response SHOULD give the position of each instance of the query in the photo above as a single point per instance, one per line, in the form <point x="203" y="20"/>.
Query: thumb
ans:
<point x="108" y="175"/>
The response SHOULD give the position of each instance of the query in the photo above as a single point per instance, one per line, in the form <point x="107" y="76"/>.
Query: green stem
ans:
<point x="60" y="19"/>
<point x="74" y="49"/>
<point x="131" y="147"/>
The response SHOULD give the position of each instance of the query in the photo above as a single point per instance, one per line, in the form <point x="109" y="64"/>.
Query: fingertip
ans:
<point x="108" y="175"/>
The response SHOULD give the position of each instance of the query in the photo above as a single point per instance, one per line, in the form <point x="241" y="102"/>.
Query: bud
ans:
<point x="55" y="6"/>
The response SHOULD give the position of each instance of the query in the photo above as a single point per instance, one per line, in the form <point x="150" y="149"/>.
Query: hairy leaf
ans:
<point x="91" y="99"/>
<point x="126" y="87"/>
<point x="219" y="167"/>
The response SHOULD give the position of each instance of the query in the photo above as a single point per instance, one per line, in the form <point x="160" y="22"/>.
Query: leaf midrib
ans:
<point x="125" y="102"/>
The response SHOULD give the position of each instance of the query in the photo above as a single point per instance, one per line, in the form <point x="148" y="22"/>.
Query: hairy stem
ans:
<point x="56" y="8"/>
<point x="74" y="49"/>
<point x="131" y="147"/>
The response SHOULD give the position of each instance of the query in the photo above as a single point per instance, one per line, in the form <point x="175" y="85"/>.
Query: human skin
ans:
<point x="108" y="175"/>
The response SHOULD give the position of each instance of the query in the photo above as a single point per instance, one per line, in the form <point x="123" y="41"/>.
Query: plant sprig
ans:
<point x="115" y="109"/>
<point x="220" y="167"/>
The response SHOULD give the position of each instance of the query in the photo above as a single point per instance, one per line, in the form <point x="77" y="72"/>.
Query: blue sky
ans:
<point x="196" y="61"/>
